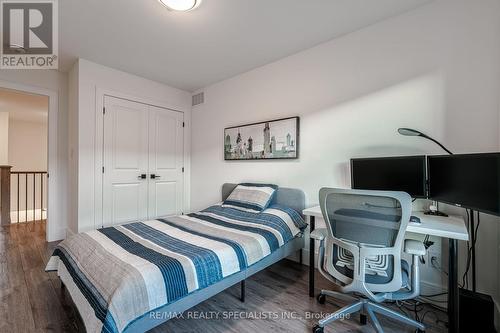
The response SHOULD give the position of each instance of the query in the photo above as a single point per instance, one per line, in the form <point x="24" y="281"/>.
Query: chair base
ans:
<point x="366" y="308"/>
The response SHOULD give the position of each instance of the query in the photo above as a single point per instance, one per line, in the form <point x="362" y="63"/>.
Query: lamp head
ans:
<point x="409" y="132"/>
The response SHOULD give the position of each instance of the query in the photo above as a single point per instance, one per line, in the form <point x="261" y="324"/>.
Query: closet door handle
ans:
<point x="153" y="176"/>
<point x="142" y="176"/>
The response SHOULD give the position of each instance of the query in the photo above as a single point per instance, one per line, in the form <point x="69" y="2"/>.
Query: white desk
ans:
<point x="439" y="226"/>
<point x="452" y="227"/>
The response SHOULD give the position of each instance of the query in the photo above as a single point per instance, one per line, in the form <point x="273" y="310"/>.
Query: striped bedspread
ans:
<point x="117" y="274"/>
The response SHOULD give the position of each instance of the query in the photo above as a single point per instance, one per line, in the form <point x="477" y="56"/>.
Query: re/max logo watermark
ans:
<point x="29" y="38"/>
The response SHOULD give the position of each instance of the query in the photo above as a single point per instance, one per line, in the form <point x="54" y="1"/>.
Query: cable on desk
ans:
<point x="465" y="278"/>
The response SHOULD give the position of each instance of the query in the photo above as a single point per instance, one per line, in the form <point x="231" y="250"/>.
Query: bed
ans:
<point x="136" y="276"/>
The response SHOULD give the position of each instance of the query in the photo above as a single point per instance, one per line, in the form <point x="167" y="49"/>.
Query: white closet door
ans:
<point x="165" y="162"/>
<point x="125" y="193"/>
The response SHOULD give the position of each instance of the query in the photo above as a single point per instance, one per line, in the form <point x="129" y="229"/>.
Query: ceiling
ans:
<point x="23" y="106"/>
<point x="218" y="40"/>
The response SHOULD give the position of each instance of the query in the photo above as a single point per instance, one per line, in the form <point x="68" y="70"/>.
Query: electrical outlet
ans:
<point x="436" y="263"/>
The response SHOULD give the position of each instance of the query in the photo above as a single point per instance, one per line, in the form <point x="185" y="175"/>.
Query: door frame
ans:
<point x="54" y="229"/>
<point x="99" y="145"/>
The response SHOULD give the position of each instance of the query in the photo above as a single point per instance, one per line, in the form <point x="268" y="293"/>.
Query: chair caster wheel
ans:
<point x="317" y="329"/>
<point x="362" y="319"/>
<point x="321" y="299"/>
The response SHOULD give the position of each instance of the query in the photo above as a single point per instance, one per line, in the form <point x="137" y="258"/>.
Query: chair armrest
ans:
<point x="414" y="247"/>
<point x="319" y="234"/>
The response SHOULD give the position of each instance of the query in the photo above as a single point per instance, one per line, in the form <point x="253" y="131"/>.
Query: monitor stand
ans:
<point x="435" y="213"/>
<point x="434" y="210"/>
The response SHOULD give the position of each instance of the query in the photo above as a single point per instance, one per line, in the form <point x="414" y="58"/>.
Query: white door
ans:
<point x="125" y="182"/>
<point x="165" y="162"/>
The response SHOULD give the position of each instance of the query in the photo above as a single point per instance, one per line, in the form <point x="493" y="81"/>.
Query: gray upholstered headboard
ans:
<point x="290" y="197"/>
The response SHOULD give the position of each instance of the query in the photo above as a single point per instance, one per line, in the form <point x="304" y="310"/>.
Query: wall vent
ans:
<point x="198" y="98"/>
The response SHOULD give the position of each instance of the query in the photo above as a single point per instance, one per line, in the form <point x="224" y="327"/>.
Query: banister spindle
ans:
<point x="5" y="193"/>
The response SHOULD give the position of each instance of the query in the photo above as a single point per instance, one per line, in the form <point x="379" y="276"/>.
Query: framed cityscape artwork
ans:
<point x="267" y="140"/>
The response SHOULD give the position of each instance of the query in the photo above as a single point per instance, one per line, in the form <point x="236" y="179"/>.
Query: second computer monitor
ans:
<point x="403" y="173"/>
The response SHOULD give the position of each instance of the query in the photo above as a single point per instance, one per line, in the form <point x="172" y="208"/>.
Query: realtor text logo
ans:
<point x="29" y="34"/>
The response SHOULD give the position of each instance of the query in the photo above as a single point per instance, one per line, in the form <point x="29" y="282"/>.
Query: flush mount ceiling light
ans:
<point x="181" y="5"/>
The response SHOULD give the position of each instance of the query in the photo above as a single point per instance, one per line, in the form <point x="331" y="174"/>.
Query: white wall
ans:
<point x="56" y="82"/>
<point x="435" y="69"/>
<point x="27" y="145"/>
<point x="73" y="149"/>
<point x="88" y="81"/>
<point x="27" y="152"/>
<point x="4" y="138"/>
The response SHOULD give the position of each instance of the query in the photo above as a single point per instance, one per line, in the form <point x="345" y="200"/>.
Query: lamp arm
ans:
<point x="438" y="143"/>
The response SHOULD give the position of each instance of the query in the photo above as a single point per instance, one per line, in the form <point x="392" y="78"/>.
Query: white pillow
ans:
<point x="251" y="197"/>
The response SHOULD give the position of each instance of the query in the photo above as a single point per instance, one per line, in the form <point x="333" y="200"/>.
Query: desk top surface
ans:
<point x="452" y="226"/>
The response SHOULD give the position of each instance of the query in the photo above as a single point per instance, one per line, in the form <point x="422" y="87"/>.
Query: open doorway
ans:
<point x="24" y="152"/>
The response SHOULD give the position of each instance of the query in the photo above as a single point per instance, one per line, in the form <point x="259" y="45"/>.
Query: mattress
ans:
<point x="120" y="273"/>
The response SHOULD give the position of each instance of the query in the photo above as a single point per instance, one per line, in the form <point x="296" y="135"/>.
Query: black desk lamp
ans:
<point x="413" y="132"/>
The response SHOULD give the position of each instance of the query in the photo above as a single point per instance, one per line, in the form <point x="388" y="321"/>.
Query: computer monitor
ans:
<point x="404" y="173"/>
<point x="466" y="180"/>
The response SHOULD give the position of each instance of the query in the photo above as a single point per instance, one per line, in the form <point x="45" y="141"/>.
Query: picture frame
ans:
<point x="276" y="139"/>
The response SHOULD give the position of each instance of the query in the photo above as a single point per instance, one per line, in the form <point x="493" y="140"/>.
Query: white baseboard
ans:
<point x="28" y="215"/>
<point x="305" y="257"/>
<point x="429" y="288"/>
<point x="56" y="235"/>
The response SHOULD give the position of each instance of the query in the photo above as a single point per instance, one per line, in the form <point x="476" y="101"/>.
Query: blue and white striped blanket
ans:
<point x="117" y="274"/>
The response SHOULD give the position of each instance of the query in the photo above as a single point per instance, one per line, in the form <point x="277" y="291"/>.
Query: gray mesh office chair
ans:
<point x="360" y="251"/>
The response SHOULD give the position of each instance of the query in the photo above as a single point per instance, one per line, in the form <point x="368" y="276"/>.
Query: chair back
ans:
<point x="365" y="235"/>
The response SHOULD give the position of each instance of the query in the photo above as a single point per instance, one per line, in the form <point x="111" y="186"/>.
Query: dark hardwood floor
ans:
<point x="276" y="299"/>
